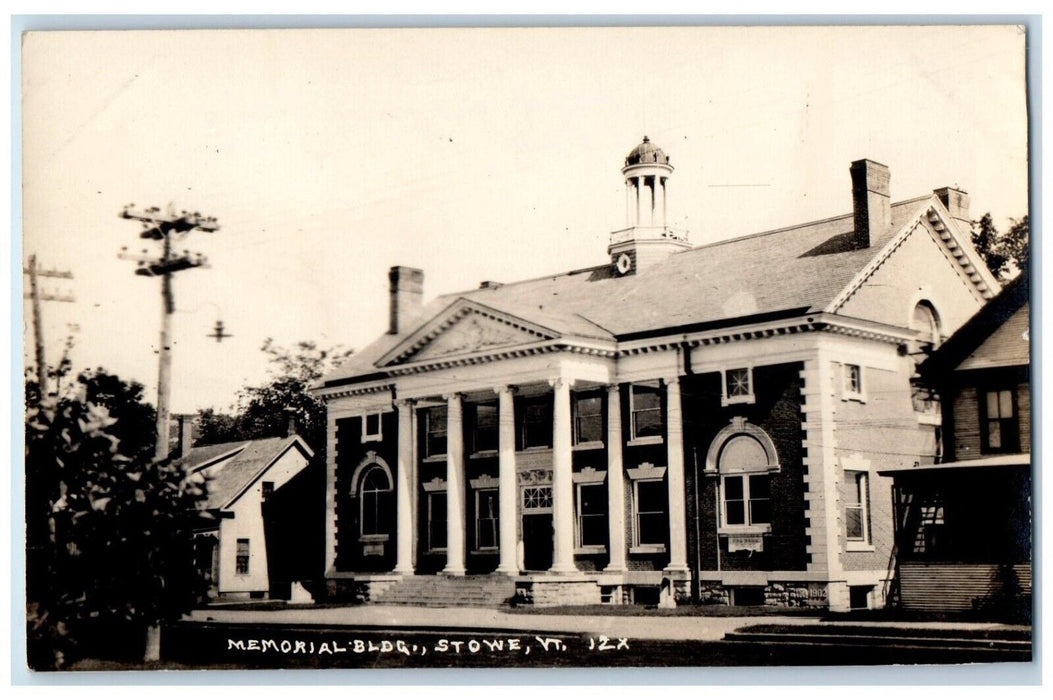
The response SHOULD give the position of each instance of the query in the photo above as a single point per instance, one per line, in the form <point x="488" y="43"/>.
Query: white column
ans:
<point x="454" y="487"/>
<point x="615" y="480"/>
<point x="664" y="199"/>
<point x="675" y="455"/>
<point x="562" y="481"/>
<point x="406" y="529"/>
<point x="639" y="201"/>
<point x="506" y="472"/>
<point x="628" y="204"/>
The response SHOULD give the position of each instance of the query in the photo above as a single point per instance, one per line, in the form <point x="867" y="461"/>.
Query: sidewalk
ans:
<point x="656" y="628"/>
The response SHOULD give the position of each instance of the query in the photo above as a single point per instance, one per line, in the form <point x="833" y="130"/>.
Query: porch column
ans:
<point x="675" y="457"/>
<point x="454" y="487"/>
<point x="615" y="480"/>
<point x="506" y="475"/>
<point x="562" y="481"/>
<point x="406" y="529"/>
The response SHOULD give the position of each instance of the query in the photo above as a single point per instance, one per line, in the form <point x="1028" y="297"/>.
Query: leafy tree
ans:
<point x="1004" y="254"/>
<point x="212" y="427"/>
<point x="265" y="410"/>
<point x="109" y="553"/>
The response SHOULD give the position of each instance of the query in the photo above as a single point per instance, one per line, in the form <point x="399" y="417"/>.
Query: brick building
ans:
<point x="674" y="424"/>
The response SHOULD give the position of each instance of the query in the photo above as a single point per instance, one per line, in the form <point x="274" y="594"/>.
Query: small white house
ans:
<point x="233" y="552"/>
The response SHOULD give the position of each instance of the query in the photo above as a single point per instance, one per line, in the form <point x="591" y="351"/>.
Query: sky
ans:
<point x="328" y="156"/>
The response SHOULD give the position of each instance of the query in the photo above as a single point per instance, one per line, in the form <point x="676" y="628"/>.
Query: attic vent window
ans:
<point x="738" y="386"/>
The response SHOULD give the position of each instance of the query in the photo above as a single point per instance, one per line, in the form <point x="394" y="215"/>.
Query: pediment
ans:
<point x="466" y="328"/>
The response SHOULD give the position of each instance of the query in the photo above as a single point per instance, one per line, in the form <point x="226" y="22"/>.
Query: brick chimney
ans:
<point x="871" y="206"/>
<point x="957" y="203"/>
<point x="186" y="434"/>
<point x="290" y="422"/>
<point x="407" y="292"/>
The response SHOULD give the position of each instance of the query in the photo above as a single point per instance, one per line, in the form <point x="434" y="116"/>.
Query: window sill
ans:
<point x="647" y="549"/>
<point x="591" y="549"/>
<point x="372" y="438"/>
<point x="374" y="538"/>
<point x="434" y="458"/>
<point x="858" y="398"/>
<point x="534" y="450"/>
<point x="859" y="547"/>
<point x="732" y="400"/>
<point x="485" y="550"/>
<point x="483" y="454"/>
<point x="441" y="550"/>
<point x="646" y="440"/>
<point x="591" y="445"/>
<point x="733" y="530"/>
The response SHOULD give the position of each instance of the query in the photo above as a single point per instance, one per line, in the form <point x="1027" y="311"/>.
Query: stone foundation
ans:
<point x="714" y="593"/>
<point x="553" y="592"/>
<point x="795" y="595"/>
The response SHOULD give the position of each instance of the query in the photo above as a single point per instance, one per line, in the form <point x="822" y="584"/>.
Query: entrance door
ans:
<point x="537" y="528"/>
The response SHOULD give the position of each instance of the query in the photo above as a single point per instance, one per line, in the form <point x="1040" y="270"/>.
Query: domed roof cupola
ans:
<point x="646" y="239"/>
<point x="646" y="153"/>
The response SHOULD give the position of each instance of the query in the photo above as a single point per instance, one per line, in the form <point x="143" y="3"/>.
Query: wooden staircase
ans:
<point x="488" y="591"/>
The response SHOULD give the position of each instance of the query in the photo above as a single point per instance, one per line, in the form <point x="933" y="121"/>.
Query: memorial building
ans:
<point x="677" y="424"/>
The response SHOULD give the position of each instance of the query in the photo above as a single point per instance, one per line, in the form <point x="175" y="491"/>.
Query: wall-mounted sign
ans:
<point x="745" y="543"/>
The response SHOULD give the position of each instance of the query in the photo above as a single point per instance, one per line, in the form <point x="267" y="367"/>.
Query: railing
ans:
<point x="648" y="233"/>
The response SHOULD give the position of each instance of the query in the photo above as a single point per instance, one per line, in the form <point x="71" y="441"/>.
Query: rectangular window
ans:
<point x="857" y="527"/>
<point x="588" y="419"/>
<point x="1000" y="428"/>
<point x="436" y="520"/>
<point x="486" y="519"/>
<point x="747" y="499"/>
<point x="650" y="501"/>
<point x="485" y="436"/>
<point x="435" y="431"/>
<point x="371" y="427"/>
<point x="853" y="382"/>
<point x="645" y="404"/>
<point x="266" y="490"/>
<point x="241" y="561"/>
<point x="592" y="515"/>
<point x="536" y="426"/>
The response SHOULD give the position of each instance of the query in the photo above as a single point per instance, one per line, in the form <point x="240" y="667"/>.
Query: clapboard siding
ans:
<point x="954" y="586"/>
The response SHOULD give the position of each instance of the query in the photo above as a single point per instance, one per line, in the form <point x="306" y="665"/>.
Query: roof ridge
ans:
<point x="804" y="224"/>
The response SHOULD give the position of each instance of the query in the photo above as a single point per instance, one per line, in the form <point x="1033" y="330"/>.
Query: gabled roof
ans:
<point x="796" y="270"/>
<point x="233" y="467"/>
<point x="994" y="337"/>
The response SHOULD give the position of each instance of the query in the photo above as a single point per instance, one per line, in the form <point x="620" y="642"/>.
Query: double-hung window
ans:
<point x="436" y="507"/>
<point x="857" y="518"/>
<point x="486" y="518"/>
<point x="485" y="434"/>
<point x="536" y="425"/>
<point x="1000" y="427"/>
<point x="588" y="420"/>
<point x="241" y="561"/>
<point x="435" y="431"/>
<point x="645" y="409"/>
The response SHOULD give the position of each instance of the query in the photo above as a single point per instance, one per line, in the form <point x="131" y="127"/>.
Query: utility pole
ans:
<point x="35" y="295"/>
<point x="158" y="226"/>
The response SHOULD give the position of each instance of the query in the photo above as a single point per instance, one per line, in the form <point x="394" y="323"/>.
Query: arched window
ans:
<point x="925" y="320"/>
<point x="744" y="457"/>
<point x="373" y="490"/>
